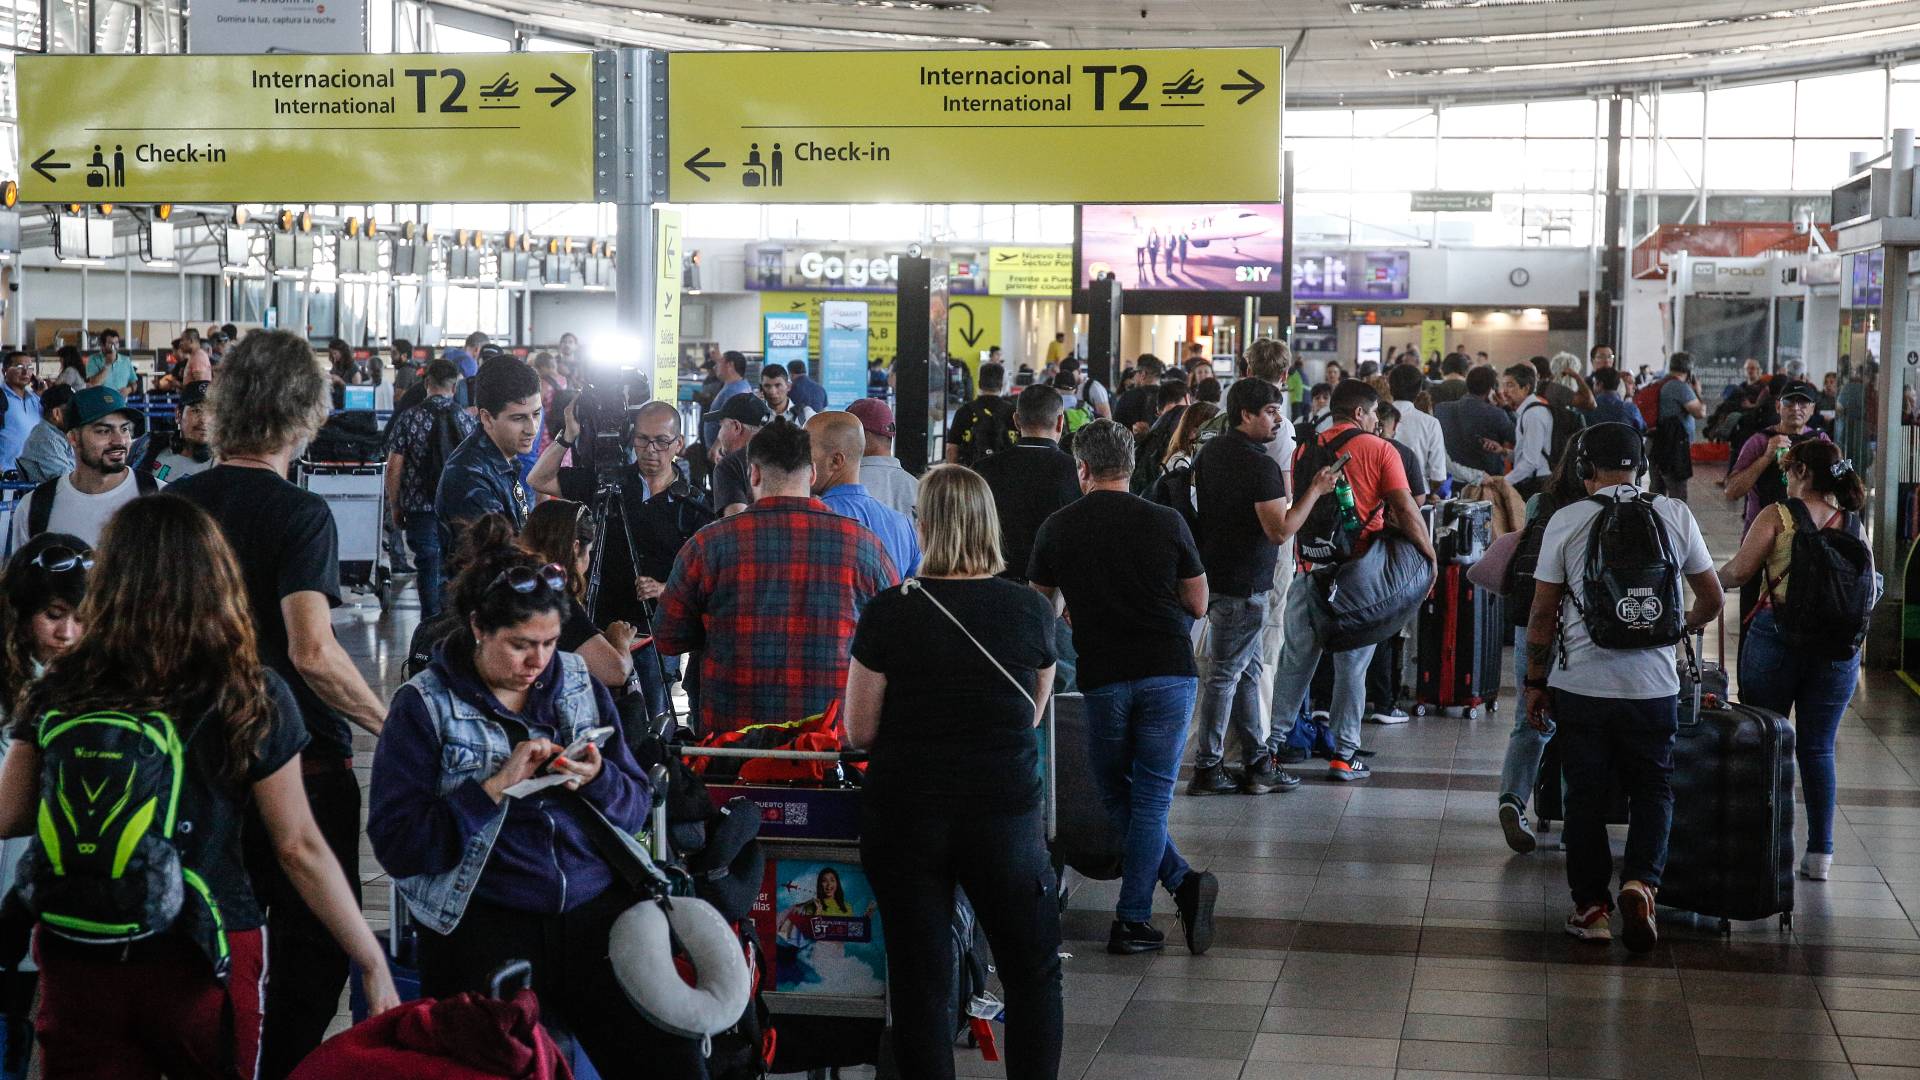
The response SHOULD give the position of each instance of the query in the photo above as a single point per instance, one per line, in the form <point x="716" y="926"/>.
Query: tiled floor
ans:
<point x="1384" y="932"/>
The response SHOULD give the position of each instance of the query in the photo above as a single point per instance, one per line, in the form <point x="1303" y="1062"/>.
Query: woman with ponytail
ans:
<point x="1778" y="670"/>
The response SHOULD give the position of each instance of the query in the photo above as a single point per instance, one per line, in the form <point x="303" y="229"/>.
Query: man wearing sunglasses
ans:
<point x="662" y="510"/>
<point x="22" y="407"/>
<point x="80" y="502"/>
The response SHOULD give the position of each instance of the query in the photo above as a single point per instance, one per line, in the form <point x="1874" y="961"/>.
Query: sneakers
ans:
<point x="1262" y="776"/>
<point x="1348" y="769"/>
<point x="1513" y="822"/>
<point x="1815" y="867"/>
<point x="1590" y="923"/>
<point x="1392" y="714"/>
<point x="1194" y="899"/>
<point x="1636" y="917"/>
<point x="1212" y="780"/>
<point x="1130" y="938"/>
<point x="1289" y="754"/>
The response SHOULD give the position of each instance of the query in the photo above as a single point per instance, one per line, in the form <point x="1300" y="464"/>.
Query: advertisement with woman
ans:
<point x="826" y="935"/>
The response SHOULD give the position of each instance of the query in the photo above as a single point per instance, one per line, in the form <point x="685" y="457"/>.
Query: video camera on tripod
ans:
<point x="604" y="411"/>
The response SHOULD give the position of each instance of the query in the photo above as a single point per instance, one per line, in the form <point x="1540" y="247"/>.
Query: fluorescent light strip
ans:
<point x="1565" y="65"/>
<point x="1389" y="7"/>
<point x="1637" y="28"/>
<point x="864" y="35"/>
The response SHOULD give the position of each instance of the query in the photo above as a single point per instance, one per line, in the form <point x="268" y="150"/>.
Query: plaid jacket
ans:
<point x="769" y="598"/>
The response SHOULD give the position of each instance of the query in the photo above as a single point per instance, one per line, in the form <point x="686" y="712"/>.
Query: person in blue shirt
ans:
<point x="838" y="443"/>
<point x="1608" y="406"/>
<point x="805" y="390"/>
<point x="110" y="367"/>
<point x="22" y="407"/>
<point x="731" y="370"/>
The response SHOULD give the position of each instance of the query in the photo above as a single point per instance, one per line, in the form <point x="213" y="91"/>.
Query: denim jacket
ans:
<point x="441" y="731"/>
<point x="478" y="480"/>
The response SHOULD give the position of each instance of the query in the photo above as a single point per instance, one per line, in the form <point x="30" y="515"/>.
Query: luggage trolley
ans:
<point x="357" y="495"/>
<point x="807" y="832"/>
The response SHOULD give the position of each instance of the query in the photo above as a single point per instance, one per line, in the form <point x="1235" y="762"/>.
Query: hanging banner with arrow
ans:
<point x="290" y="129"/>
<point x="1086" y="126"/>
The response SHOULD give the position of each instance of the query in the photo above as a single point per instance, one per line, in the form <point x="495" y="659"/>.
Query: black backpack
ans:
<point x="1323" y="539"/>
<point x="1567" y="423"/>
<point x="1630" y="598"/>
<point x="990" y="432"/>
<point x="1519" y="583"/>
<point x="1179" y="487"/>
<point x="443" y="438"/>
<point x="42" y="509"/>
<point x="1834" y="587"/>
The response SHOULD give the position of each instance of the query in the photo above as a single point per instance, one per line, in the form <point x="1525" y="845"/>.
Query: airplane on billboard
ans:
<point x="1232" y="227"/>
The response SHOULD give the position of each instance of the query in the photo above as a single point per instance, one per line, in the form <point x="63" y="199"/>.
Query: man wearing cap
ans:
<point x="1613" y="712"/>
<point x="190" y="450"/>
<point x="882" y="474"/>
<point x="735" y="424"/>
<point x="1757" y="475"/>
<point x="80" y="502"/>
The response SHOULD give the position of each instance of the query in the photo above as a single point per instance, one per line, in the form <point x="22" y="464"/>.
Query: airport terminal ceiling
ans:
<point x="1340" y="51"/>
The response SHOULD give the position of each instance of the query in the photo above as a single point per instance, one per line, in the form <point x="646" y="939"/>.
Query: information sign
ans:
<point x="1030" y="271"/>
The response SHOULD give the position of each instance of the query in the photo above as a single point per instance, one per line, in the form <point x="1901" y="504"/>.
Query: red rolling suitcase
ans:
<point x="1460" y="636"/>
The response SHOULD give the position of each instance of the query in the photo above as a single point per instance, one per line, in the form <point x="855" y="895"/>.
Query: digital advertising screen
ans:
<point x="1365" y="276"/>
<point x="1219" y="248"/>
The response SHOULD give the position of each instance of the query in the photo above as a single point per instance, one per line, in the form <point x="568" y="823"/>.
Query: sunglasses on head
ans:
<point x="526" y="580"/>
<point x="62" y="560"/>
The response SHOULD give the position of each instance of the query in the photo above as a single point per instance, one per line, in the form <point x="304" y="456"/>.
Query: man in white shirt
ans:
<point x="1418" y="431"/>
<point x="1615" y="710"/>
<point x="1533" y="429"/>
<point x="80" y="502"/>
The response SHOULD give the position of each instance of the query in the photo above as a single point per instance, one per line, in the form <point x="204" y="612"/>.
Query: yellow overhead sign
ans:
<point x="509" y="127"/>
<point x="1059" y="126"/>
<point x="1030" y="271"/>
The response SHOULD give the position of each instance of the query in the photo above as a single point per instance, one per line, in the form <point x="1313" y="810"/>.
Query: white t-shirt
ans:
<point x="1591" y="671"/>
<point x="75" y="512"/>
<point x="1422" y="434"/>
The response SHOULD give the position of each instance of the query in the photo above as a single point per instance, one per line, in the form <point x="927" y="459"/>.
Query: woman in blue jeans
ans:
<point x="1774" y="674"/>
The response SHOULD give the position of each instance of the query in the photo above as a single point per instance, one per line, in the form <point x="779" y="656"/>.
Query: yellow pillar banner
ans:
<point x="973" y="327"/>
<point x="666" y="314"/>
<point x="1433" y="337"/>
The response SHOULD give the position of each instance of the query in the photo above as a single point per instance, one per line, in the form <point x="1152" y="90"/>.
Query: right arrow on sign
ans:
<point x="44" y="163"/>
<point x="564" y="89"/>
<point x="700" y="162"/>
<point x="1252" y="86"/>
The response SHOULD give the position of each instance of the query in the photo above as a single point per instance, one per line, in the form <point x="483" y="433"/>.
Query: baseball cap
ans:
<point x="463" y="360"/>
<point x="194" y="393"/>
<point x="875" y="415"/>
<point x="1611" y="446"/>
<point x="1801" y="391"/>
<point x="747" y="409"/>
<point x="96" y="403"/>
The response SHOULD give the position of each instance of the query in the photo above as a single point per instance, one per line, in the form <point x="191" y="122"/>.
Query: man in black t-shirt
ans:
<point x="1137" y="407"/>
<point x="1130" y="573"/>
<point x="1031" y="479"/>
<point x="984" y="426"/>
<point x="1243" y="521"/>
<point x="268" y="401"/>
<point x="739" y="420"/>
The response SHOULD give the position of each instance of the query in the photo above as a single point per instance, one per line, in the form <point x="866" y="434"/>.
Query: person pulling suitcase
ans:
<point x="1600" y="666"/>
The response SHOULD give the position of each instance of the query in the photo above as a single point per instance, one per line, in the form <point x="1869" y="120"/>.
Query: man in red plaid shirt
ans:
<point x="769" y="597"/>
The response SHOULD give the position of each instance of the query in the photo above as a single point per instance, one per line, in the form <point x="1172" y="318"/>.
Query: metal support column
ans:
<point x="1615" y="272"/>
<point x="921" y="333"/>
<point x="1104" y="300"/>
<point x="630" y="140"/>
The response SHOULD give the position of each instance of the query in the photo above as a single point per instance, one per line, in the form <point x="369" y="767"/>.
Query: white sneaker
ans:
<point x="1394" y="715"/>
<point x="1815" y="867"/>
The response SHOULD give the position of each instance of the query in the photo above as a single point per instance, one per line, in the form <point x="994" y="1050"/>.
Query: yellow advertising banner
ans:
<point x="973" y="327"/>
<point x="1433" y="338"/>
<point x="666" y="313"/>
<point x="508" y="127"/>
<point x="1030" y="271"/>
<point x="985" y="126"/>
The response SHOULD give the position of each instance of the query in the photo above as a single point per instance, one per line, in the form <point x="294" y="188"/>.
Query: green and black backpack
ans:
<point x="104" y="866"/>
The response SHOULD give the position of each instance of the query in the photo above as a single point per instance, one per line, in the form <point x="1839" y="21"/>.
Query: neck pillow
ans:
<point x="641" y="948"/>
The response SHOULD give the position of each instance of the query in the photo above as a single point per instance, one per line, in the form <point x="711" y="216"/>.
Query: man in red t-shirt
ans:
<point x="1380" y="499"/>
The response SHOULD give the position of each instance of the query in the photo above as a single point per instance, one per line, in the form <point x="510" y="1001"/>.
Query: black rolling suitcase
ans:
<point x="1460" y="633"/>
<point x="1730" y="854"/>
<point x="1085" y="837"/>
<point x="1548" y="804"/>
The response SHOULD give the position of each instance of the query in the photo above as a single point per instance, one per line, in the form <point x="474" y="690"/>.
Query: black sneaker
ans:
<point x="1195" y="898"/>
<point x="1289" y="754"/>
<point x="1262" y="776"/>
<point x="1212" y="781"/>
<point x="1348" y="769"/>
<point x="1128" y="938"/>
<point x="1513" y="822"/>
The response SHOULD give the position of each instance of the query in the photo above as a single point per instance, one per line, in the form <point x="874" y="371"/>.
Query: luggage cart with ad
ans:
<point x="357" y="495"/>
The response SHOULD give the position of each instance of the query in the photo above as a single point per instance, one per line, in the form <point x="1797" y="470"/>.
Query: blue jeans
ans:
<point x="646" y="664"/>
<point x="423" y="538"/>
<point x="1520" y="771"/>
<point x="1136" y="732"/>
<point x="1231" y="692"/>
<point x="1601" y="738"/>
<point x="1299" y="656"/>
<point x="1773" y="676"/>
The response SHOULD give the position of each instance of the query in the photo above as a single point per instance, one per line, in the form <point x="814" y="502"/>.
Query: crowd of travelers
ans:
<point x="1160" y="548"/>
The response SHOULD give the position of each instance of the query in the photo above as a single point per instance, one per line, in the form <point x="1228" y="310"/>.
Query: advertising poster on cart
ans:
<point x="843" y="351"/>
<point x="817" y="919"/>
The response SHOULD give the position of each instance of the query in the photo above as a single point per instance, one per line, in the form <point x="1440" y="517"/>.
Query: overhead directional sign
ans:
<point x="1141" y="125"/>
<point x="284" y="128"/>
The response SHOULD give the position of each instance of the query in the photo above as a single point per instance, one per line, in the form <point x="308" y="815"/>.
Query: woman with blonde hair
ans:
<point x="953" y="792"/>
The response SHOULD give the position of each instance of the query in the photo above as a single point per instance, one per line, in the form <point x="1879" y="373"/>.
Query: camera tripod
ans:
<point x="606" y="510"/>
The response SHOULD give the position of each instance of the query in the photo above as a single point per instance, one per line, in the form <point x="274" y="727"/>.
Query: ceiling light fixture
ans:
<point x="1393" y="7"/>
<point x="1554" y="65"/>
<point x="613" y="18"/>
<point x="1635" y="28"/>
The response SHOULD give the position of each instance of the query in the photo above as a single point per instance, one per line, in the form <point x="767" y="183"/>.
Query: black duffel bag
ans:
<point x="1366" y="600"/>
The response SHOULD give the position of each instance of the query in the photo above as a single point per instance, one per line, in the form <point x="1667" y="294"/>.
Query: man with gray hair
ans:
<point x="1130" y="573"/>
<point x="269" y="400"/>
<point x="1032" y="479"/>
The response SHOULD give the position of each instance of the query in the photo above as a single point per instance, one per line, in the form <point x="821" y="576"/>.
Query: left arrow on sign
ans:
<point x="560" y="86"/>
<point x="44" y="163"/>
<point x="699" y="163"/>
